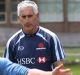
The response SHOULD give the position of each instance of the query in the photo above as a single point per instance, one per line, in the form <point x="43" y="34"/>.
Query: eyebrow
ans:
<point x="29" y="16"/>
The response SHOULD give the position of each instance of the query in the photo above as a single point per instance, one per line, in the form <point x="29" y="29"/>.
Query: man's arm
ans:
<point x="58" y="54"/>
<point x="39" y="72"/>
<point x="57" y="71"/>
<point x="9" y="68"/>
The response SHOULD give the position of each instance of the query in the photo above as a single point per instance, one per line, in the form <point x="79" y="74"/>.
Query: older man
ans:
<point x="33" y="46"/>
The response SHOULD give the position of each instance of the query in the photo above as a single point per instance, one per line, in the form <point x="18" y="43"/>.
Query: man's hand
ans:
<point x="61" y="71"/>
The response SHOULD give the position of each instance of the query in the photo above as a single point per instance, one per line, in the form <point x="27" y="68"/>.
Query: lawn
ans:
<point x="72" y="54"/>
<point x="75" y="68"/>
<point x="1" y="51"/>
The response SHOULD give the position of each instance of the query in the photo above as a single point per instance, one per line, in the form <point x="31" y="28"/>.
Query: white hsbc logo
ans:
<point x="26" y="61"/>
<point x="42" y="59"/>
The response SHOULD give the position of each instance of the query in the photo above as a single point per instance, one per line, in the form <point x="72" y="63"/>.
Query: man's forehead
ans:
<point x="27" y="10"/>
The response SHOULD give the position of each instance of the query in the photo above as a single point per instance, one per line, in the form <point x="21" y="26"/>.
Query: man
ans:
<point x="33" y="46"/>
<point x="9" y="68"/>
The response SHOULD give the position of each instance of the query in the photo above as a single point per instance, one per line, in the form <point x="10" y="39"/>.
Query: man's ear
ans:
<point x="17" y="17"/>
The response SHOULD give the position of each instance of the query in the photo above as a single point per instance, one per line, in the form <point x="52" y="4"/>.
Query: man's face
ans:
<point x="28" y="19"/>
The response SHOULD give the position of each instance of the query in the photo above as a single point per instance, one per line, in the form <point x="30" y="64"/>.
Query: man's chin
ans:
<point x="28" y="30"/>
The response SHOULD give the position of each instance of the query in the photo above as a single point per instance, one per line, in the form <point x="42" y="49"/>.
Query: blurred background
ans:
<point x="60" y="16"/>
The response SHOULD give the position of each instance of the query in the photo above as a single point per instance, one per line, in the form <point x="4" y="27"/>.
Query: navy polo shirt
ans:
<point x="39" y="50"/>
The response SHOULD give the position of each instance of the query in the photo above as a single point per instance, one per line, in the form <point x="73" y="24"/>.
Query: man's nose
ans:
<point x="27" y="18"/>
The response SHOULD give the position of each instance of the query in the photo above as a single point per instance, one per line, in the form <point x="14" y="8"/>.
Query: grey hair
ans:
<point x="26" y="3"/>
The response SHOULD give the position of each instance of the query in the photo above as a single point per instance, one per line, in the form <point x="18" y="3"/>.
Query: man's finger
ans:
<point x="60" y="66"/>
<point x="66" y="70"/>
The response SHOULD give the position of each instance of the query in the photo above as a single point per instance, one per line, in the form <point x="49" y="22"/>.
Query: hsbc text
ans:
<point x="26" y="61"/>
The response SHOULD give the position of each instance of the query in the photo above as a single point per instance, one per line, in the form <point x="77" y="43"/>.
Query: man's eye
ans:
<point x="29" y="16"/>
<point x="23" y="16"/>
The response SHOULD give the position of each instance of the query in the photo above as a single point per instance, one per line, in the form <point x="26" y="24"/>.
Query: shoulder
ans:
<point x="15" y="36"/>
<point x="48" y="32"/>
<point x="4" y="62"/>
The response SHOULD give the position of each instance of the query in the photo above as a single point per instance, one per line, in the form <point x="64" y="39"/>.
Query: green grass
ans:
<point x="75" y="68"/>
<point x="72" y="50"/>
<point x="72" y="54"/>
<point x="1" y="51"/>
